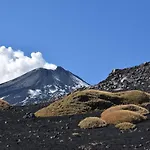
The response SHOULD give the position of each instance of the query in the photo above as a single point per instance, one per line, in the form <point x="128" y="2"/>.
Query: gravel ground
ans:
<point x="18" y="132"/>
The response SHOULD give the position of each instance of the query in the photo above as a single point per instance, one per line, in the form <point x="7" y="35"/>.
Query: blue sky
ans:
<point x="87" y="37"/>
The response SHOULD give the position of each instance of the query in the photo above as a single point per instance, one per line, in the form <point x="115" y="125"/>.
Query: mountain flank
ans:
<point x="40" y="85"/>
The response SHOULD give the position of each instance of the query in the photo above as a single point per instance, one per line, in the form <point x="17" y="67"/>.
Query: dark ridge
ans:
<point x="133" y="78"/>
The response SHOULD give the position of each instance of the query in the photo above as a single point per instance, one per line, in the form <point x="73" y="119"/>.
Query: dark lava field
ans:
<point x="18" y="132"/>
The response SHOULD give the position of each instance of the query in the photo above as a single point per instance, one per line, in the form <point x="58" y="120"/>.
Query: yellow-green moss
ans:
<point x="92" y="122"/>
<point x="4" y="104"/>
<point x="134" y="97"/>
<point x="121" y="116"/>
<point x="91" y="100"/>
<point x="125" y="126"/>
<point x="131" y="107"/>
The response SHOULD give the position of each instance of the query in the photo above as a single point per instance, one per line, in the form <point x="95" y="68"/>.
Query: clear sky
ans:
<point x="87" y="37"/>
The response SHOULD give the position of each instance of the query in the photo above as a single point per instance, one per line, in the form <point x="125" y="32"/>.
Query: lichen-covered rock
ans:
<point x="125" y="126"/>
<point x="4" y="104"/>
<point x="92" y="122"/>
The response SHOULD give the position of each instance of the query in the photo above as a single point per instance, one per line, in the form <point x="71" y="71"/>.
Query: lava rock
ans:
<point x="29" y="116"/>
<point x="133" y="78"/>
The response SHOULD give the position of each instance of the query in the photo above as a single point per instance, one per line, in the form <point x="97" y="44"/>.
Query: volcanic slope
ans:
<point x="40" y="85"/>
<point x="63" y="133"/>
<point x="133" y="78"/>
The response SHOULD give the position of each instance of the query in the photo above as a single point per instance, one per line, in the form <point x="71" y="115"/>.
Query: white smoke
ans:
<point x="14" y="63"/>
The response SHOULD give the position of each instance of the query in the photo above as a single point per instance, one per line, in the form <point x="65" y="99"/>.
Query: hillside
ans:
<point x="91" y="100"/>
<point x="132" y="78"/>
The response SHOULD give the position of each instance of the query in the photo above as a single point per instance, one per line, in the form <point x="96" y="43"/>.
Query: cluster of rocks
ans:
<point x="133" y="78"/>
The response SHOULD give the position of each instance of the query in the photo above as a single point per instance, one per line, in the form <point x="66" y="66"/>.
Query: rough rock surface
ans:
<point x="63" y="133"/>
<point x="133" y="78"/>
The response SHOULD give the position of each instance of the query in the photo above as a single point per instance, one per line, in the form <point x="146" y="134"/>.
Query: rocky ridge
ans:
<point x="133" y="78"/>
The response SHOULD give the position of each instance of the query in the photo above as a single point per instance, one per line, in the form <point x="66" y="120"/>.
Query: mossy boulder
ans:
<point x="120" y="116"/>
<point x="131" y="107"/>
<point x="125" y="126"/>
<point x="92" y="122"/>
<point x="4" y="105"/>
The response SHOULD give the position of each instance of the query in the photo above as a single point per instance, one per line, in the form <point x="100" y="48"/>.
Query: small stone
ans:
<point x="29" y="115"/>
<point x="61" y="141"/>
<point x="107" y="146"/>
<point x="18" y="141"/>
<point x="18" y="120"/>
<point x="70" y="138"/>
<point x="76" y="134"/>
